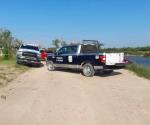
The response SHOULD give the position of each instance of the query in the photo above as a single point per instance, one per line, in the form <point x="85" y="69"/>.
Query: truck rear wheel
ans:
<point x="88" y="70"/>
<point x="50" y="66"/>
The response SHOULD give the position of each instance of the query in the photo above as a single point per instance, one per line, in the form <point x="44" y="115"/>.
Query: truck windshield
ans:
<point x="29" y="47"/>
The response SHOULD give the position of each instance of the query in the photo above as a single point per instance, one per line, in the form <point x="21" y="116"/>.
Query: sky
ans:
<point x="117" y="23"/>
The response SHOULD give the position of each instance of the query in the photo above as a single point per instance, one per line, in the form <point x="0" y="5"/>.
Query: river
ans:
<point x="140" y="60"/>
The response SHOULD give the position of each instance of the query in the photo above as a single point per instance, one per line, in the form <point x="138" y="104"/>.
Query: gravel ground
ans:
<point x="39" y="97"/>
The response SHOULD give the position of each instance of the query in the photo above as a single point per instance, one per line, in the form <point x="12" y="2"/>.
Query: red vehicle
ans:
<point x="43" y="55"/>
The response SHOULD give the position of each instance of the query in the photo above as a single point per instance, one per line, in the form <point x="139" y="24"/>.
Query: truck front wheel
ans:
<point x="88" y="70"/>
<point x="17" y="62"/>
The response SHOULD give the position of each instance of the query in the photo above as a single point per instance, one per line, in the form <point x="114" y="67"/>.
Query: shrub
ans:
<point x="8" y="43"/>
<point x="140" y="70"/>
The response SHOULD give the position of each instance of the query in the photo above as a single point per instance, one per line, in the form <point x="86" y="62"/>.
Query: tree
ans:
<point x="63" y="43"/>
<point x="6" y="42"/>
<point x="16" y="43"/>
<point x="100" y="45"/>
<point x="58" y="43"/>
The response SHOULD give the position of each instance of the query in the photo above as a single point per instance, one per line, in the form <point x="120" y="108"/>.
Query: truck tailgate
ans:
<point x="114" y="58"/>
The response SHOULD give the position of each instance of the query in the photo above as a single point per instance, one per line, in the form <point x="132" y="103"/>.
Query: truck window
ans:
<point x="63" y="50"/>
<point x="72" y="49"/>
<point x="89" y="48"/>
<point x="68" y="50"/>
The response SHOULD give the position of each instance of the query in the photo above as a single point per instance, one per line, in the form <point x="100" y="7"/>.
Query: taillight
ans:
<point x="103" y="59"/>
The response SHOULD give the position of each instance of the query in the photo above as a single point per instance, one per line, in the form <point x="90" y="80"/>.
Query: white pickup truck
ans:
<point x="28" y="54"/>
<point x="87" y="58"/>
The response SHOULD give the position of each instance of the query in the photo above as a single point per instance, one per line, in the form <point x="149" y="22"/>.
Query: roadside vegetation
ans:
<point x="9" y="70"/>
<point x="8" y="67"/>
<point x="8" y="44"/>
<point x="140" y="70"/>
<point x="141" y="51"/>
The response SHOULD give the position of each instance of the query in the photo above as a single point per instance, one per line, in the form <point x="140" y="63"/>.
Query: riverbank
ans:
<point x="139" y="51"/>
<point x="147" y="54"/>
<point x="140" y="70"/>
<point x="9" y="70"/>
<point x="143" y="54"/>
<point x="141" y="60"/>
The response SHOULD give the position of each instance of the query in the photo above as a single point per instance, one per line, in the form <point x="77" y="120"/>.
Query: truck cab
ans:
<point x="86" y="57"/>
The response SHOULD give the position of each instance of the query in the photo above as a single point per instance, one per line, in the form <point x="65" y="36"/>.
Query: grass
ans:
<point x="8" y="62"/>
<point x="9" y="70"/>
<point x="140" y="70"/>
<point x="11" y="63"/>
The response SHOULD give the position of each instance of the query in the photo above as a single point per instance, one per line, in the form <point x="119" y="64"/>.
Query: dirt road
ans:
<point x="39" y="97"/>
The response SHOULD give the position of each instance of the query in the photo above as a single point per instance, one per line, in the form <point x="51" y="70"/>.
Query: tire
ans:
<point x="50" y="66"/>
<point x="88" y="70"/>
<point x="17" y="62"/>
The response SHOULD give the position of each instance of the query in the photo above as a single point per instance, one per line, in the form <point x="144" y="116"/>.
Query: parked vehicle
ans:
<point x="43" y="55"/>
<point x="28" y="54"/>
<point x="86" y="57"/>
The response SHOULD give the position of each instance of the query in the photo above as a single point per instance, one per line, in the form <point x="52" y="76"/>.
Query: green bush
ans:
<point x="140" y="70"/>
<point x="8" y="44"/>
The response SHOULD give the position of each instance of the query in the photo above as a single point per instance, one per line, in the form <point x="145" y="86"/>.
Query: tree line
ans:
<point x="8" y="43"/>
<point x="145" y="51"/>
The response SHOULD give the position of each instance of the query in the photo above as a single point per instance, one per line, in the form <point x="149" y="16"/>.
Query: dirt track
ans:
<point x="39" y="97"/>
